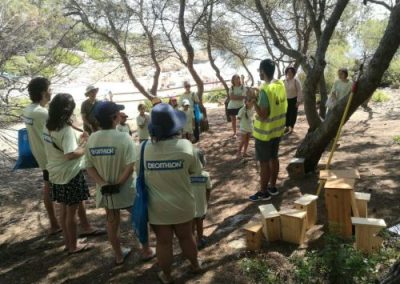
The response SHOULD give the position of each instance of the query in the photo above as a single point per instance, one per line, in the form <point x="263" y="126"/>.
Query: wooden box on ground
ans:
<point x="295" y="168"/>
<point x="362" y="200"/>
<point x="336" y="174"/>
<point x="271" y="222"/>
<point x="293" y="225"/>
<point x="254" y="235"/>
<point x="308" y="203"/>
<point x="366" y="233"/>
<point x="338" y="196"/>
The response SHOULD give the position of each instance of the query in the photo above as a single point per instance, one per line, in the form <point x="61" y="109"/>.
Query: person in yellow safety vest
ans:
<point x="269" y="126"/>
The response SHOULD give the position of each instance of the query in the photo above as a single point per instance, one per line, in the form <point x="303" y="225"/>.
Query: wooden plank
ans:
<point x="362" y="203"/>
<point x="366" y="236"/>
<point x="354" y="207"/>
<point x="271" y="222"/>
<point x="335" y="174"/>
<point x="340" y="183"/>
<point x="293" y="224"/>
<point x="253" y="236"/>
<point x="369" y="222"/>
<point x="308" y="203"/>
<point x="338" y="206"/>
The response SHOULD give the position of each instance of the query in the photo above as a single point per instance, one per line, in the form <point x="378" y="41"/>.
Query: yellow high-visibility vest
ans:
<point x="274" y="125"/>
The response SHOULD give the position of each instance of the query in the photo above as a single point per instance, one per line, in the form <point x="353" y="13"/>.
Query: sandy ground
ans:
<point x="27" y="255"/>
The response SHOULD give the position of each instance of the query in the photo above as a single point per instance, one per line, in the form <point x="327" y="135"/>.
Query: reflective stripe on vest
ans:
<point x="274" y="125"/>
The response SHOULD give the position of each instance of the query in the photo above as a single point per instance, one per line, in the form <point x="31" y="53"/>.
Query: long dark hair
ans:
<point x="60" y="111"/>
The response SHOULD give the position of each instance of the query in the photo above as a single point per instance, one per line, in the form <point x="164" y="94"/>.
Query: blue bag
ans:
<point x="198" y="115"/>
<point x="26" y="160"/>
<point x="140" y="215"/>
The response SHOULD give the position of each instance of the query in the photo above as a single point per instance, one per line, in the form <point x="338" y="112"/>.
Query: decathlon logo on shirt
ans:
<point x="164" y="165"/>
<point x="198" y="179"/>
<point x="102" y="151"/>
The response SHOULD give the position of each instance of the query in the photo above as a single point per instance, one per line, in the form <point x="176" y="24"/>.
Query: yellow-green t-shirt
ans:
<point x="168" y="165"/>
<point x="341" y="88"/>
<point x="246" y="123"/>
<point x="35" y="117"/>
<point x="200" y="184"/>
<point x="188" y="128"/>
<point x="61" y="170"/>
<point x="191" y="97"/>
<point x="109" y="152"/>
<point x="237" y="91"/>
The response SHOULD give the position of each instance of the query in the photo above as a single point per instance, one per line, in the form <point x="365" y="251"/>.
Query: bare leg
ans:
<point x="63" y="223"/>
<point x="199" y="226"/>
<point x="274" y="164"/>
<point x="241" y="143"/>
<point x="164" y="234"/>
<point x="71" y="227"/>
<point x="187" y="242"/>
<point x="48" y="204"/>
<point x="265" y="174"/>
<point x="84" y="223"/>
<point x="113" y="221"/>
<point x="233" y="119"/>
<point x="246" y="138"/>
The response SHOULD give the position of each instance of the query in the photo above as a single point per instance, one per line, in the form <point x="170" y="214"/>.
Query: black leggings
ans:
<point x="291" y="114"/>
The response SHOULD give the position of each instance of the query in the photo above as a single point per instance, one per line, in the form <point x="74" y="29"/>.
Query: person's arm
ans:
<point x="79" y="152"/>
<point x="70" y="146"/>
<point x="261" y="106"/>
<point x="95" y="176"/>
<point x="140" y="122"/>
<point x="128" y="171"/>
<point x="234" y="97"/>
<point x="208" y="188"/>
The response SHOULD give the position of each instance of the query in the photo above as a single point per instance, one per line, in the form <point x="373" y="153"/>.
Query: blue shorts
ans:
<point x="267" y="150"/>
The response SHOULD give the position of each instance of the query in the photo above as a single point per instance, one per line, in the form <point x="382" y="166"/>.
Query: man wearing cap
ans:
<point x="269" y="125"/>
<point x="110" y="158"/>
<point x="193" y="99"/>
<point x="123" y="126"/>
<point x="87" y="109"/>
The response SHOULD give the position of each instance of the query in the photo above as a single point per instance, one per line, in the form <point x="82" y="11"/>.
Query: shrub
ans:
<point x="215" y="96"/>
<point x="380" y="97"/>
<point x="396" y="139"/>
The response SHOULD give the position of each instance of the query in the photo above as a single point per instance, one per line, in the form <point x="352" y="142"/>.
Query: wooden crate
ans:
<point x="254" y="235"/>
<point x="293" y="225"/>
<point x="295" y="168"/>
<point x="308" y="203"/>
<point x="338" y="196"/>
<point x="271" y="222"/>
<point x="336" y="174"/>
<point x="366" y="233"/>
<point x="362" y="200"/>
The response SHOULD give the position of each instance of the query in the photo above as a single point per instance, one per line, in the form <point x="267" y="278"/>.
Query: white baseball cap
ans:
<point x="185" y="102"/>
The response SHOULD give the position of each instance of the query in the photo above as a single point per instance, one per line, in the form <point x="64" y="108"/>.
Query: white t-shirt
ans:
<point x="142" y="123"/>
<point x="246" y="123"/>
<point x="237" y="91"/>
<point x="200" y="185"/>
<point x="188" y="128"/>
<point x="167" y="167"/>
<point x="35" y="117"/>
<point x="109" y="152"/>
<point x="61" y="170"/>
<point x="123" y="128"/>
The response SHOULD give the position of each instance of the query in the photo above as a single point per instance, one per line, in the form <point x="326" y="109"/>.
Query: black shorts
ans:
<point x="267" y="150"/>
<point x="45" y="175"/>
<point x="233" y="111"/>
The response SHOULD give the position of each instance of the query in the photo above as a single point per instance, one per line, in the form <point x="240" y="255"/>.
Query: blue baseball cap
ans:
<point x="104" y="110"/>
<point x="166" y="121"/>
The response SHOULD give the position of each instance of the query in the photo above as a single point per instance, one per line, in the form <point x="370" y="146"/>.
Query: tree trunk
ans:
<point x="189" y="63"/>
<point x="393" y="276"/>
<point x="324" y="95"/>
<point x="315" y="141"/>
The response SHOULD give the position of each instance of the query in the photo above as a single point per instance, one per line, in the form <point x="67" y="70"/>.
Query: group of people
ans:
<point x="178" y="186"/>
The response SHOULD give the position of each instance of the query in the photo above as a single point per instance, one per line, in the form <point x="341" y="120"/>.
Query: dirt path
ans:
<point x="28" y="256"/>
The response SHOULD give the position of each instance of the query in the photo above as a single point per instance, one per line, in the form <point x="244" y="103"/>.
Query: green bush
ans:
<point x="215" y="96"/>
<point x="396" y="139"/>
<point x="257" y="270"/>
<point x="380" y="97"/>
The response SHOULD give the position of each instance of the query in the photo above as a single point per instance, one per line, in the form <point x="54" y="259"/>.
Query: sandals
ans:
<point x="80" y="248"/>
<point x="149" y="257"/>
<point x="163" y="278"/>
<point x="125" y="253"/>
<point x="95" y="232"/>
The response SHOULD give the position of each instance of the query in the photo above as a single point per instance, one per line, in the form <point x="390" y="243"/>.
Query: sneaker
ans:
<point x="260" y="196"/>
<point x="273" y="191"/>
